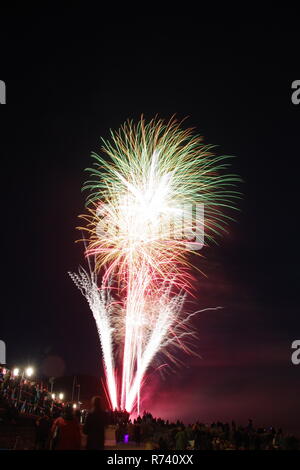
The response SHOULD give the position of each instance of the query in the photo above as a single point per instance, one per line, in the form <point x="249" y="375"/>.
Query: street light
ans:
<point x="61" y="396"/>
<point x="53" y="396"/>
<point x="16" y="372"/>
<point x="74" y="406"/>
<point x="29" y="371"/>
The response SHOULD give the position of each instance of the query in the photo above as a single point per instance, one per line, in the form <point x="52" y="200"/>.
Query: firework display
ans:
<point x="154" y="192"/>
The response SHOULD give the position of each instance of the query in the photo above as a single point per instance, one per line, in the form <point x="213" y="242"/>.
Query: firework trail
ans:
<point x="143" y="220"/>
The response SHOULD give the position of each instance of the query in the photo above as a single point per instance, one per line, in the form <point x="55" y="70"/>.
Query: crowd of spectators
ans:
<point x="156" y="433"/>
<point x="19" y="394"/>
<point x="59" y="426"/>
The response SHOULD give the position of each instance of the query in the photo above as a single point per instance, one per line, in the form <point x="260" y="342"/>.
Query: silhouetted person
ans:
<point x="94" y="425"/>
<point x="250" y="425"/>
<point x="43" y="428"/>
<point x="162" y="444"/>
<point x="137" y="433"/>
<point x="257" y="441"/>
<point x="11" y="413"/>
<point x="66" y="432"/>
<point x="181" y="439"/>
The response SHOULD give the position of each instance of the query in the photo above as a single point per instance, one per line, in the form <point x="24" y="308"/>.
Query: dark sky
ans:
<point x="71" y="78"/>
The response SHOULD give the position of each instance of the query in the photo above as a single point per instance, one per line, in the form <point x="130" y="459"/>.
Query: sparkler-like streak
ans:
<point x="100" y="305"/>
<point x="143" y="220"/>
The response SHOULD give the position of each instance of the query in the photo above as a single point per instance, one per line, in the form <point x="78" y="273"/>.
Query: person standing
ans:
<point x="137" y="433"/>
<point x="95" y="424"/>
<point x="66" y="432"/>
<point x="181" y="439"/>
<point x="43" y="429"/>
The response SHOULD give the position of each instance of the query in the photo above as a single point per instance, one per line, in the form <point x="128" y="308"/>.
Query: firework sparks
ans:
<point x="100" y="305"/>
<point x="142" y="222"/>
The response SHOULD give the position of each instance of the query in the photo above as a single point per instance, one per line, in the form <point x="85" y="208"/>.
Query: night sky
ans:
<point x="71" y="78"/>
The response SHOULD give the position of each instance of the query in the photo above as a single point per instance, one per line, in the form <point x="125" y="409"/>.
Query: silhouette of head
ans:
<point x="97" y="403"/>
